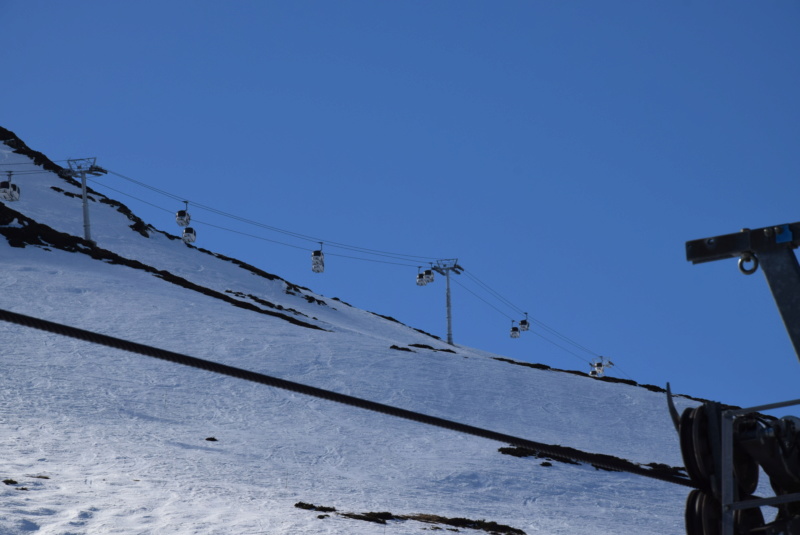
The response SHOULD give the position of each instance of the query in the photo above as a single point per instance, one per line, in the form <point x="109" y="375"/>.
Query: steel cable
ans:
<point x="558" y="452"/>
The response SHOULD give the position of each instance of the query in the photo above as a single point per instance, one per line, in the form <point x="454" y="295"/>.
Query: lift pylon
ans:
<point x="82" y="167"/>
<point x="444" y="267"/>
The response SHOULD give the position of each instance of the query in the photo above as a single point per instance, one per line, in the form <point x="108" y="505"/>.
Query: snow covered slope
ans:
<point x="96" y="440"/>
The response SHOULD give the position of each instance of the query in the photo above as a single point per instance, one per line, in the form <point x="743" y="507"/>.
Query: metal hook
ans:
<point x="745" y="258"/>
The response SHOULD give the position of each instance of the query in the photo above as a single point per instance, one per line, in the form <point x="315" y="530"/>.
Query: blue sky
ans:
<point x="562" y="151"/>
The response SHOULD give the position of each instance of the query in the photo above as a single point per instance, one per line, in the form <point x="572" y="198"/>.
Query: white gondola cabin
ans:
<point x="428" y="276"/>
<point x="189" y="235"/>
<point x="599" y="366"/>
<point x="317" y="261"/>
<point x="524" y="325"/>
<point x="8" y="191"/>
<point x="182" y="217"/>
<point x="514" y="331"/>
<point x="421" y="281"/>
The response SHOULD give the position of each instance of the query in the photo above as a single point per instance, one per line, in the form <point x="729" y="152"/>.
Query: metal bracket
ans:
<point x="772" y="249"/>
<point x="730" y="503"/>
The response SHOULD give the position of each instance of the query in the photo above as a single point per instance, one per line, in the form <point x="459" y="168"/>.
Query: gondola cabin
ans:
<point x="317" y="261"/>
<point x="524" y="325"/>
<point x="9" y="191"/>
<point x="599" y="366"/>
<point x="514" y="331"/>
<point x="182" y="218"/>
<point x="189" y="235"/>
<point x="421" y="279"/>
<point x="428" y="276"/>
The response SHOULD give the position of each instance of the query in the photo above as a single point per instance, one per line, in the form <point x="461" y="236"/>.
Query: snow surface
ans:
<point x="103" y="441"/>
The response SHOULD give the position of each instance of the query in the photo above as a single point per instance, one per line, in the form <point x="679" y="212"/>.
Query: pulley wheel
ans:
<point x="745" y="471"/>
<point x="746" y="520"/>
<point x="703" y="514"/>
<point x="701" y="445"/>
<point x="692" y="519"/>
<point x="687" y="448"/>
<point x="711" y="514"/>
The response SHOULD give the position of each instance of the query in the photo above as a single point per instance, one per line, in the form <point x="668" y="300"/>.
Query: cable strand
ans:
<point x="598" y="460"/>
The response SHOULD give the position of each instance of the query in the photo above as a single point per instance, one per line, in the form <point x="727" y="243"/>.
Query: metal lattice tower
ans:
<point x="82" y="167"/>
<point x="444" y="267"/>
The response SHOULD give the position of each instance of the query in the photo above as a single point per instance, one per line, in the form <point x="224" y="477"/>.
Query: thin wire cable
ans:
<point x="246" y="234"/>
<point x="540" y="335"/>
<point x="624" y="373"/>
<point x="482" y="299"/>
<point x="327" y="243"/>
<point x="364" y="250"/>
<point x="494" y="293"/>
<point x="129" y="195"/>
<point x="299" y="247"/>
<point x="541" y="324"/>
<point x="543" y="337"/>
<point x="249" y="235"/>
<point x="23" y="173"/>
<point x="563" y="337"/>
<point x="148" y="186"/>
<point x="370" y="260"/>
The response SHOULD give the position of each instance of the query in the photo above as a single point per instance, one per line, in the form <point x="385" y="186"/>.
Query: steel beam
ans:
<point x="772" y="248"/>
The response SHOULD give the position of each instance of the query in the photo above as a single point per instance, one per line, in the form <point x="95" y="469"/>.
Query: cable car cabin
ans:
<point x="524" y="325"/>
<point x="9" y="191"/>
<point x="421" y="281"/>
<point x="189" y="235"/>
<point x="182" y="218"/>
<point x="599" y="367"/>
<point x="428" y="276"/>
<point x="514" y="332"/>
<point x="317" y="261"/>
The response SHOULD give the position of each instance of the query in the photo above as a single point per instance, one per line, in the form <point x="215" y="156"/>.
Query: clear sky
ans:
<point x="563" y="152"/>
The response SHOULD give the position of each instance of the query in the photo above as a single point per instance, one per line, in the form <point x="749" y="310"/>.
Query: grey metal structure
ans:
<point x="774" y="444"/>
<point x="82" y="167"/>
<point x="444" y="267"/>
<point x="772" y="248"/>
<point x="729" y="502"/>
